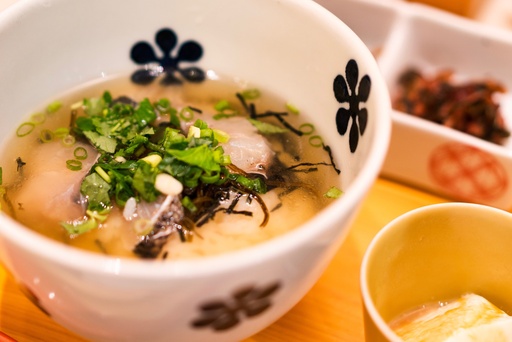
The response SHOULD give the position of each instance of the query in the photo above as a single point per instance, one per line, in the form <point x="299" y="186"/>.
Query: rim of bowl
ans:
<point x="92" y="262"/>
<point x="377" y="319"/>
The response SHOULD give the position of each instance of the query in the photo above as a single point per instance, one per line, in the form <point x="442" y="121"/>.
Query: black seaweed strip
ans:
<point x="243" y="102"/>
<point x="328" y="150"/>
<point x="307" y="164"/>
<point x="20" y="164"/>
<point x="197" y="110"/>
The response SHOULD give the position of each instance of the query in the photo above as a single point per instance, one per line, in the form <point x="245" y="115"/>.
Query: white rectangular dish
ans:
<point x="425" y="154"/>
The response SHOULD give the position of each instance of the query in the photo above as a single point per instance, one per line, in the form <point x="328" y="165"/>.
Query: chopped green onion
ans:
<point x="152" y="159"/>
<point x="292" y="109"/>
<point x="194" y="131"/>
<point x="333" y="192"/>
<point x="220" y="136"/>
<point x="187" y="114"/>
<point x="210" y="178"/>
<point x="251" y="94"/>
<point x="222" y="105"/>
<point x="225" y="159"/>
<point x="267" y="128"/>
<point x="53" y="107"/>
<point x="224" y="109"/>
<point x="68" y="140"/>
<point x="80" y="226"/>
<point x="187" y="203"/>
<point x="163" y="106"/>
<point x="61" y="132"/>
<point x="25" y="129"/>
<point x="74" y="165"/>
<point x="46" y="135"/>
<point x="307" y="128"/>
<point x="38" y="118"/>
<point x="316" y="141"/>
<point x="80" y="153"/>
<point x="97" y="215"/>
<point x="103" y="174"/>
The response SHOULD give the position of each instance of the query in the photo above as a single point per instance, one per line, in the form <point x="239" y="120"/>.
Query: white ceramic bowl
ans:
<point x="424" y="154"/>
<point x="293" y="48"/>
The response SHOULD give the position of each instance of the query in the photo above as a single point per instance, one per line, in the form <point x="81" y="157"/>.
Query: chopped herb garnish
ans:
<point x="307" y="128"/>
<point x="251" y="94"/>
<point x="224" y="110"/>
<point x="292" y="109"/>
<point x="25" y="129"/>
<point x="38" y="118"/>
<point x="316" y="141"/>
<point x="80" y="226"/>
<point x="333" y="192"/>
<point x="97" y="191"/>
<point x="267" y="128"/>
<point x="80" y="153"/>
<point x="53" y="107"/>
<point x="46" y="136"/>
<point x="61" y="132"/>
<point x="132" y="156"/>
<point x="68" y="140"/>
<point x="187" y="114"/>
<point x="74" y="165"/>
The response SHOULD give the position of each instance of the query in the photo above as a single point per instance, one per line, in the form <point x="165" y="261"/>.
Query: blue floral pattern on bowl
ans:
<point x="346" y="91"/>
<point x="143" y="53"/>
<point x="249" y="301"/>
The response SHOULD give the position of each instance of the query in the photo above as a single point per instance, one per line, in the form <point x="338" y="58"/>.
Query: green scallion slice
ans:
<point x="292" y="109"/>
<point x="103" y="174"/>
<point x="61" y="132"/>
<point x="46" y="136"/>
<point x="53" y="107"/>
<point x="307" y="128"/>
<point x="316" y="141"/>
<point x="251" y="94"/>
<point x="333" y="192"/>
<point x="38" y="118"/>
<point x="68" y="140"/>
<point x="187" y="114"/>
<point x="74" y="165"/>
<point x="25" y="129"/>
<point x="80" y="153"/>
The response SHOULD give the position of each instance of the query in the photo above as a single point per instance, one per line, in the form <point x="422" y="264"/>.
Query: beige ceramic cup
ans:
<point x="435" y="253"/>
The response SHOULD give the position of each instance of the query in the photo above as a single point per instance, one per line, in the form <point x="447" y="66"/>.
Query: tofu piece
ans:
<point x="469" y="318"/>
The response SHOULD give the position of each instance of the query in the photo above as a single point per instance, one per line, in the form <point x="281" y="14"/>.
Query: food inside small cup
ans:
<point x="468" y="318"/>
<point x="166" y="171"/>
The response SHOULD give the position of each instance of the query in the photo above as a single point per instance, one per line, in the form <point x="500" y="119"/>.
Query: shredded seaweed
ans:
<point x="20" y="164"/>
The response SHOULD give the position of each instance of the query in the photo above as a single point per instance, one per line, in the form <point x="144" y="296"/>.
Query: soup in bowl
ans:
<point x="181" y="169"/>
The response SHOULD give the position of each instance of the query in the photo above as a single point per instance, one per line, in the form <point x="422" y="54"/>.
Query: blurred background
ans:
<point x="492" y="12"/>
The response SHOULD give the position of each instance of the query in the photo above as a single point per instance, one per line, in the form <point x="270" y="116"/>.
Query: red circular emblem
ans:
<point x="467" y="172"/>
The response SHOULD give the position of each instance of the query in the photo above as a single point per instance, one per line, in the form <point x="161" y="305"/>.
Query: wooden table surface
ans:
<point x="331" y="311"/>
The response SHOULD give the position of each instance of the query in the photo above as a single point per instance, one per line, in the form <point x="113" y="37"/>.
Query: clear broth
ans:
<point x="39" y="196"/>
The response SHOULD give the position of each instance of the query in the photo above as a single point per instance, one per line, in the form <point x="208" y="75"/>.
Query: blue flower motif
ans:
<point x="345" y="92"/>
<point x="189" y="51"/>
